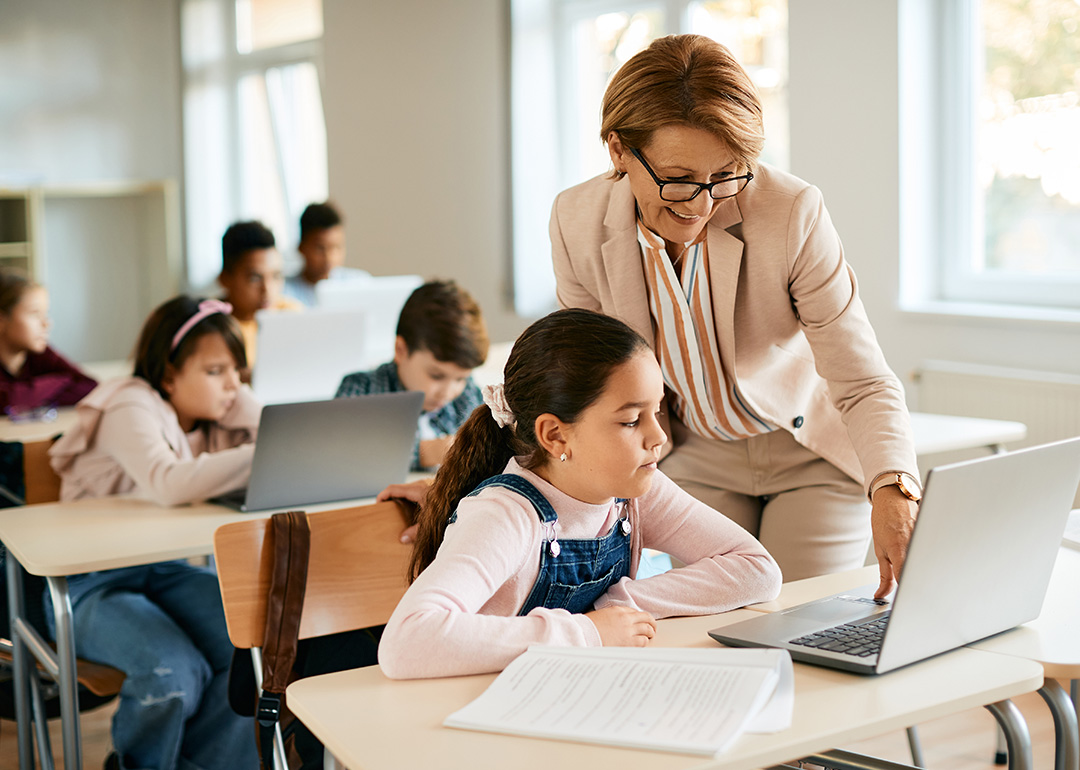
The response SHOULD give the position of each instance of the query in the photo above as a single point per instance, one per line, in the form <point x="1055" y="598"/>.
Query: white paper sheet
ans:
<point x="686" y="700"/>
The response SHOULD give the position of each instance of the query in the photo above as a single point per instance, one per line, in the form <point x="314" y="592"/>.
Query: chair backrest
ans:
<point x="357" y="571"/>
<point x="41" y="482"/>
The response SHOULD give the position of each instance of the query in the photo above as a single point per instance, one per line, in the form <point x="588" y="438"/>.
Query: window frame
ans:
<point x="206" y="222"/>
<point x="958" y="239"/>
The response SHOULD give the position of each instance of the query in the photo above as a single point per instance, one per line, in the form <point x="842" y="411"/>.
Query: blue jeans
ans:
<point x="163" y="626"/>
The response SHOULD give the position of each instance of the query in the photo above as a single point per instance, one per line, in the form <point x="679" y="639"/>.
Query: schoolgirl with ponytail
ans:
<point x="533" y="528"/>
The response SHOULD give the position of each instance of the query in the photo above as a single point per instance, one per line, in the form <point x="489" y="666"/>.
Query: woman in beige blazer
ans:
<point x="784" y="413"/>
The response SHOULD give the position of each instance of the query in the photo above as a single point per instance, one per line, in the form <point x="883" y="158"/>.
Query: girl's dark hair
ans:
<point x="560" y="365"/>
<point x="153" y="352"/>
<point x="13" y="285"/>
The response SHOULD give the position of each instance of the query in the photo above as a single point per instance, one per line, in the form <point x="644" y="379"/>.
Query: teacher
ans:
<point x="784" y="414"/>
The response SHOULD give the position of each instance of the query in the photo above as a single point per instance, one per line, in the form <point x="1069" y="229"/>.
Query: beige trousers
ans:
<point x="812" y="517"/>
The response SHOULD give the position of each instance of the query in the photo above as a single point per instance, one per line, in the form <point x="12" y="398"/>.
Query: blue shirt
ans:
<point x="384" y="379"/>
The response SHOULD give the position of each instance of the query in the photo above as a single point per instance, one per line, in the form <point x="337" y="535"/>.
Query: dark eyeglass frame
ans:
<point x="748" y="176"/>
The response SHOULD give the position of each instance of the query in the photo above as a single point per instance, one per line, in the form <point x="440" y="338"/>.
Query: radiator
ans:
<point x="1048" y="403"/>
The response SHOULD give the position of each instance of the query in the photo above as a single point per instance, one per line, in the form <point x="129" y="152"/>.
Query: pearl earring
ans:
<point x="562" y="457"/>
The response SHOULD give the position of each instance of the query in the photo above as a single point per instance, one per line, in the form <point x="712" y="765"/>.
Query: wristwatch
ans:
<point x="907" y="484"/>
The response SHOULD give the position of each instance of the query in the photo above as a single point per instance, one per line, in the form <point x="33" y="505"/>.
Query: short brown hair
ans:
<point x="688" y="80"/>
<point x="442" y="318"/>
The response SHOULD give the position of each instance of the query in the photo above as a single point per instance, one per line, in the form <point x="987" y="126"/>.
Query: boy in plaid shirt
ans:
<point x="441" y="338"/>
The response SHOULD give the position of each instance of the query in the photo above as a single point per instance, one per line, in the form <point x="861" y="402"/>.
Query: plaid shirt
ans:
<point x="385" y="379"/>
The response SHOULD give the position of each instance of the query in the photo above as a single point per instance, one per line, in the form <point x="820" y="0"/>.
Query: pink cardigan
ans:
<point x="460" y="616"/>
<point x="128" y="440"/>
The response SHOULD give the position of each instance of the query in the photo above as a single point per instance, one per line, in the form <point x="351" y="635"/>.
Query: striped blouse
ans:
<point x="706" y="396"/>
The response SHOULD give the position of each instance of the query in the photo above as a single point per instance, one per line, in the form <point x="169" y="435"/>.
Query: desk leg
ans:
<point x="330" y="761"/>
<point x="65" y="653"/>
<point x="1066" y="738"/>
<point x="1016" y="732"/>
<point x="20" y="664"/>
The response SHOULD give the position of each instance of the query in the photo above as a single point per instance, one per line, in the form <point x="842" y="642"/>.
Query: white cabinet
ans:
<point x="108" y="254"/>
<point x="16" y="229"/>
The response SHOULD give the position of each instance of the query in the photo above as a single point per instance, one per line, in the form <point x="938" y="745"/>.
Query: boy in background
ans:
<point x="252" y="277"/>
<point x="322" y="247"/>
<point x="441" y="339"/>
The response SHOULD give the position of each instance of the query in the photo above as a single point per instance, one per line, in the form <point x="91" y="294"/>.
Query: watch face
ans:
<point x="908" y="487"/>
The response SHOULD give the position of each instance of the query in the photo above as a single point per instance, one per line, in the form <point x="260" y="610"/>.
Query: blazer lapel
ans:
<point x="725" y="262"/>
<point x="621" y="262"/>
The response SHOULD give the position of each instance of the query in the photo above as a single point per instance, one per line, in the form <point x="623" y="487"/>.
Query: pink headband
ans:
<point x="207" y="307"/>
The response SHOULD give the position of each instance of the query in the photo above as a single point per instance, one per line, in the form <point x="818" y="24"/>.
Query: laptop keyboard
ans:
<point x="862" y="639"/>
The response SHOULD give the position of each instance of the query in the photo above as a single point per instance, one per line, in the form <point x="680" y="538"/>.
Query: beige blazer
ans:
<point x="786" y="306"/>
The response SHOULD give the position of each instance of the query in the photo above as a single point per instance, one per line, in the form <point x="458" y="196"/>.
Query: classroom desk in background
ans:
<point x="108" y="370"/>
<point x="25" y="431"/>
<point x="54" y="540"/>
<point x="369" y="722"/>
<point x="936" y="433"/>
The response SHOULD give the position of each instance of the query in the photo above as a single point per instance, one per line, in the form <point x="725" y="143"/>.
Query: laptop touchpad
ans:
<point x="836" y="610"/>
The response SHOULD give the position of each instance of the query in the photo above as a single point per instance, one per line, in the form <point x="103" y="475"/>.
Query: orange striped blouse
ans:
<point x="706" y="396"/>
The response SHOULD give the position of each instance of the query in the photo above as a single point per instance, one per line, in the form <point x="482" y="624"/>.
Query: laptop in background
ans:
<point x="381" y="297"/>
<point x="302" y="356"/>
<point x="979" y="563"/>
<point x="327" y="451"/>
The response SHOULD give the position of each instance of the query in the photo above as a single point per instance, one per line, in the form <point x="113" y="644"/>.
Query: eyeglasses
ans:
<point x="677" y="192"/>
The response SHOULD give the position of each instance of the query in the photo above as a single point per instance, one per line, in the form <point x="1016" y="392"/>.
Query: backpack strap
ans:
<point x="291" y="539"/>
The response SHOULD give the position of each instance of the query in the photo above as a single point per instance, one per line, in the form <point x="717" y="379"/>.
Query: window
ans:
<point x="254" y="132"/>
<point x="1008" y="230"/>
<point x="564" y="52"/>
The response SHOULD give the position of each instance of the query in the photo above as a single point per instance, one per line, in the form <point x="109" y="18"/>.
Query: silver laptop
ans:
<point x="327" y="451"/>
<point x="303" y="355"/>
<point x="979" y="563"/>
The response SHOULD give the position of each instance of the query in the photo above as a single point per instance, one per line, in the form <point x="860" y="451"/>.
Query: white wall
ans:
<point x="416" y="98"/>
<point x="90" y="92"/>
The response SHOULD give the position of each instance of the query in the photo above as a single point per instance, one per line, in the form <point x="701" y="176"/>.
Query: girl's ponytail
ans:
<point x="481" y="450"/>
<point x="559" y="365"/>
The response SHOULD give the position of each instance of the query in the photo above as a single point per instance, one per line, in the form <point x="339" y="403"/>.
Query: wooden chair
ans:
<point x="99" y="683"/>
<point x="41" y="482"/>
<point x="357" y="573"/>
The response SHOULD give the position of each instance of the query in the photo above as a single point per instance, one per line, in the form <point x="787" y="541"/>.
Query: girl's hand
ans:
<point x="623" y="627"/>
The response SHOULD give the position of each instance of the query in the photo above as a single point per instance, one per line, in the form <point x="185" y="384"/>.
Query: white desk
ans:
<point x="54" y="540"/>
<point x="370" y="722"/>
<point x="37" y="430"/>
<point x="108" y="370"/>
<point x="947" y="433"/>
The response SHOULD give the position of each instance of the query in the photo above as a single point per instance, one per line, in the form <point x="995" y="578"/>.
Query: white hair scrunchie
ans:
<point x="495" y="398"/>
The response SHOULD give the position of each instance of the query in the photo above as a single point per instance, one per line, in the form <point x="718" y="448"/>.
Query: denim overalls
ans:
<point x="573" y="573"/>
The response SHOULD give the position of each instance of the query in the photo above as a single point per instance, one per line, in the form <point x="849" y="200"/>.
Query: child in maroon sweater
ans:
<point x="32" y="374"/>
